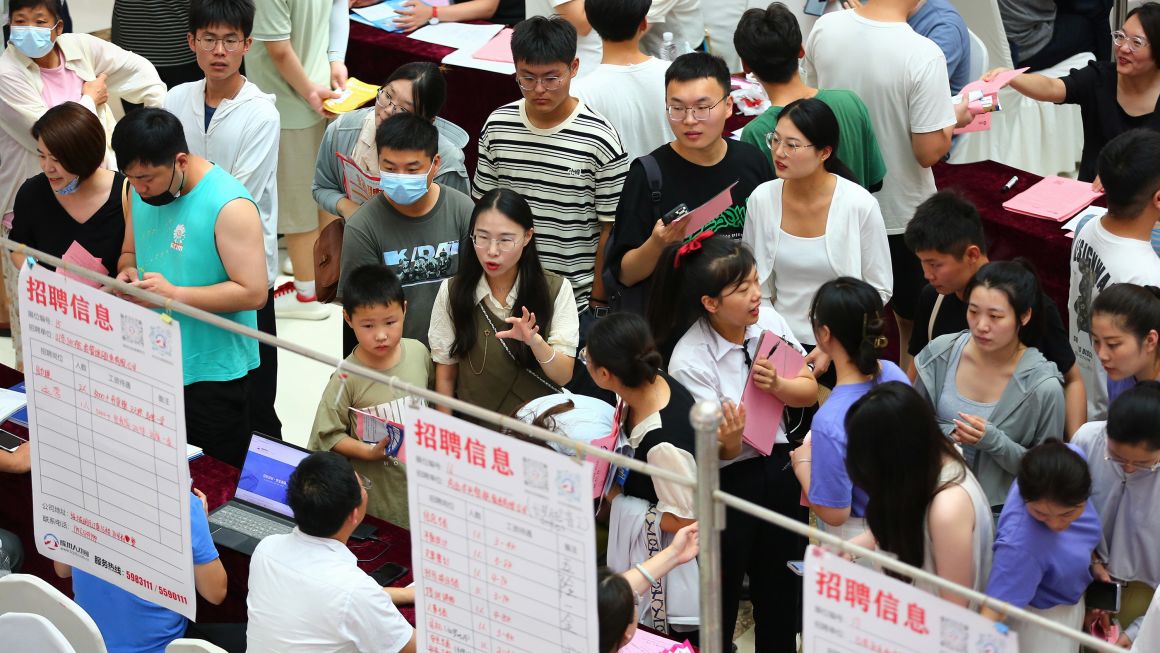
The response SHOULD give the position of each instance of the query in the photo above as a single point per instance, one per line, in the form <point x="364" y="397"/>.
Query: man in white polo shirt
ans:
<point x="307" y="593"/>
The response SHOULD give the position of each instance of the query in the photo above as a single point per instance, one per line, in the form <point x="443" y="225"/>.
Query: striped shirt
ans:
<point x="571" y="175"/>
<point x="154" y="29"/>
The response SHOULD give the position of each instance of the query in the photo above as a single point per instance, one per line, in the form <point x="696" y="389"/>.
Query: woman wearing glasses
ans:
<point x="348" y="147"/>
<point x="814" y="222"/>
<point x="503" y="330"/>
<point x="1123" y="455"/>
<point x="1114" y="96"/>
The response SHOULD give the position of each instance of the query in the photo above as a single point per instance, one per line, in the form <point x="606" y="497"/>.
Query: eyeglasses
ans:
<point x="503" y="244"/>
<point x="1148" y="467"/>
<point x="209" y="43"/>
<point x="385" y="101"/>
<point x="582" y="356"/>
<point x="701" y="114"/>
<point x="1119" y="38"/>
<point x="529" y="83"/>
<point x="772" y="140"/>
<point x="364" y="482"/>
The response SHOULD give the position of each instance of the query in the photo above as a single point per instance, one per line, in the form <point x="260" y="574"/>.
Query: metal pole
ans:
<point x="705" y="418"/>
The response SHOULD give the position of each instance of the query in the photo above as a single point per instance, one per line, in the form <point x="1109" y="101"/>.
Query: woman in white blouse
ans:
<point x="513" y="324"/>
<point x="814" y="222"/>
<point x="713" y="280"/>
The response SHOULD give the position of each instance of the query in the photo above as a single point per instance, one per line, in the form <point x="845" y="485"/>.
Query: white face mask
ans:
<point x="32" y="42"/>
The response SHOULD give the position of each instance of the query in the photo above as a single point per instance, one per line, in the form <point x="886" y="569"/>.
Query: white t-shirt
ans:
<point x="588" y="47"/>
<point x="1099" y="259"/>
<point x="902" y="78"/>
<point x="632" y="98"/>
<point x="797" y="277"/>
<point x="307" y="595"/>
<point x="681" y="17"/>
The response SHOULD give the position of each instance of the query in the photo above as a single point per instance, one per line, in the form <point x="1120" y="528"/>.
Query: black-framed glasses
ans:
<point x="503" y="243"/>
<point x="209" y="43"/>
<point x="385" y="101"/>
<point x="529" y="83"/>
<point x="1119" y="38"/>
<point x="677" y="114"/>
<point x="774" y="141"/>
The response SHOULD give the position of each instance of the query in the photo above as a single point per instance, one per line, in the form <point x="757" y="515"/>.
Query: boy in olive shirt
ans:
<point x="374" y="306"/>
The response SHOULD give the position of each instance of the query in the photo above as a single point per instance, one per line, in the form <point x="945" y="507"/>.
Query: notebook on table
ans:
<point x="1053" y="198"/>
<point x="259" y="507"/>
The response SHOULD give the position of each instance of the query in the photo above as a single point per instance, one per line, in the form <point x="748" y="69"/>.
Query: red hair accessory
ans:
<point x="691" y="246"/>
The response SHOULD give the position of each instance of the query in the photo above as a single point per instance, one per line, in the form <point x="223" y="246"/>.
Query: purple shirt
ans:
<point x="1034" y="565"/>
<point x="1117" y="388"/>
<point x="830" y="485"/>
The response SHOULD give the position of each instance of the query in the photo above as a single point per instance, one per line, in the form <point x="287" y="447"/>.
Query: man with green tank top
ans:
<point x="193" y="235"/>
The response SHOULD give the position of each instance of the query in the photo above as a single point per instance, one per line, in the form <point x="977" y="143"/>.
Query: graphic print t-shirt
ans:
<point x="422" y="251"/>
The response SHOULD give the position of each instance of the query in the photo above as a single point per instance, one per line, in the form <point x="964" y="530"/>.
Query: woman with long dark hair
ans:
<point x="814" y="222"/>
<point x="1126" y="335"/>
<point x="924" y="505"/>
<point x="991" y="391"/>
<point x="513" y="325"/>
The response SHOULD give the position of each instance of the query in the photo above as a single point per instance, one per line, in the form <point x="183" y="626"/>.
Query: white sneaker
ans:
<point x="287" y="266"/>
<point x="290" y="304"/>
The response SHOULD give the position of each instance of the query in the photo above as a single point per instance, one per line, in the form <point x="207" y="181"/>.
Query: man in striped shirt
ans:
<point x="564" y="158"/>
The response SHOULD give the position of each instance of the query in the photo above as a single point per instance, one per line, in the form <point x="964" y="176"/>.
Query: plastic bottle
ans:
<point x="668" y="47"/>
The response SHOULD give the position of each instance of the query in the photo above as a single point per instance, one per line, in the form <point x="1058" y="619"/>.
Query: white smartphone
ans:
<point x="797" y="566"/>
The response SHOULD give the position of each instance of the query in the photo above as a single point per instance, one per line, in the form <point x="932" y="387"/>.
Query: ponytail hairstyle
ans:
<point x="1133" y="308"/>
<point x="1054" y="472"/>
<point x="428" y="87"/>
<point x="852" y="310"/>
<point x="1017" y="280"/>
<point x="817" y="122"/>
<point x="892" y="428"/>
<point x="706" y="266"/>
<point x="615" y="608"/>
<point x="621" y="343"/>
<point x="531" y="290"/>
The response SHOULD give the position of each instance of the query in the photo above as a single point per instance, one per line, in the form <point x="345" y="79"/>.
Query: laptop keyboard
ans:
<point x="248" y="523"/>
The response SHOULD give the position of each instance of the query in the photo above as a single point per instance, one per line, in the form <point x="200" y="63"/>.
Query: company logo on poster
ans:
<point x="52" y="542"/>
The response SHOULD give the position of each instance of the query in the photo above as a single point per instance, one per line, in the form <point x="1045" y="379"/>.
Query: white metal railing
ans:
<point x="710" y="500"/>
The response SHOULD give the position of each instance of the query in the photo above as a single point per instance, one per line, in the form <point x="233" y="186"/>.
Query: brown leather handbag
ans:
<point x="328" y="260"/>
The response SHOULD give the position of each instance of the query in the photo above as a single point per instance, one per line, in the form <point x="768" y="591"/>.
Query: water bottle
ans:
<point x="668" y="47"/>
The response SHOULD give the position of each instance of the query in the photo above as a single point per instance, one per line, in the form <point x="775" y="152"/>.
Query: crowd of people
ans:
<point x="1007" y="449"/>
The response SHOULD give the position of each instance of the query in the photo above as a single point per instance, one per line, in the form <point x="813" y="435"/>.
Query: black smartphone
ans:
<point x="388" y="573"/>
<point x="679" y="211"/>
<point x="10" y="442"/>
<point x="364" y="531"/>
<point x="814" y="7"/>
<point x="1103" y="596"/>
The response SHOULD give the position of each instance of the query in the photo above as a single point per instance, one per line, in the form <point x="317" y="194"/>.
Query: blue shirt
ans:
<point x="131" y="624"/>
<point x="830" y="485"/>
<point x="1033" y="565"/>
<point x="940" y="22"/>
<point x="1117" y="388"/>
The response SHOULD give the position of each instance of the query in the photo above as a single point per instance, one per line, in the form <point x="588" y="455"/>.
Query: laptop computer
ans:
<point x="259" y="507"/>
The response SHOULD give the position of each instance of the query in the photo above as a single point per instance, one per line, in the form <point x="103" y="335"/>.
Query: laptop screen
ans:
<point x="266" y="473"/>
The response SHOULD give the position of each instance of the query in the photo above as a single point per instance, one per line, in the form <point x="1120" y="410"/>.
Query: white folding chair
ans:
<point x="979" y="59"/>
<point x="21" y="631"/>
<point x="28" y="594"/>
<point x="192" y="646"/>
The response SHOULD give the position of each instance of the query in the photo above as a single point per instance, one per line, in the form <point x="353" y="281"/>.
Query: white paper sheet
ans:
<point x="382" y="12"/>
<point x="457" y="35"/>
<point x="10" y="402"/>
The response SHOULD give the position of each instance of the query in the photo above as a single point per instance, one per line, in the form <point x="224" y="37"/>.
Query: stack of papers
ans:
<point x="193" y="452"/>
<point x="12" y="401"/>
<point x="482" y="47"/>
<point x="382" y="15"/>
<point x="1053" y="198"/>
<point x="498" y="49"/>
<point x="20" y="416"/>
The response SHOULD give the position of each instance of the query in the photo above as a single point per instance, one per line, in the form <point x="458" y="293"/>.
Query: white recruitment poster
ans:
<point x="503" y="541"/>
<point x="850" y="608"/>
<point x="110" y="482"/>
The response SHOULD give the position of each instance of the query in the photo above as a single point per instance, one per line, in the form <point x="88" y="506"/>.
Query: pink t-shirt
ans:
<point x="60" y="85"/>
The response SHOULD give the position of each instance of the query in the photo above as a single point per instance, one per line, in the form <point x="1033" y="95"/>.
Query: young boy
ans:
<point x="565" y="159"/>
<point x="1114" y="248"/>
<point x="230" y="121"/>
<point x="694" y="168"/>
<point x="769" y="42"/>
<point x="946" y="234"/>
<point x="415" y="225"/>
<point x="374" y="306"/>
<point x="628" y="85"/>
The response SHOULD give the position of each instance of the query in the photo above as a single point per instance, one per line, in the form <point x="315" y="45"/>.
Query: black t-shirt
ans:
<point x="687" y="183"/>
<point x="509" y="12"/>
<point x="675" y="429"/>
<point x="952" y="318"/>
<point x="1093" y="88"/>
<point x="38" y="220"/>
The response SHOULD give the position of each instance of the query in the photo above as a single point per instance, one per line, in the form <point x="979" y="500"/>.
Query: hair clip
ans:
<point x="693" y="245"/>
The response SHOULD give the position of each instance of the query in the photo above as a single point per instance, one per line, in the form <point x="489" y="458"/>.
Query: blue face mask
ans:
<point x="32" y="42"/>
<point x="402" y="188"/>
<point x="71" y="187"/>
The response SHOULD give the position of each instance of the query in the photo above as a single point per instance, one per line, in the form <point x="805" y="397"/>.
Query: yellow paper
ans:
<point x="357" y="93"/>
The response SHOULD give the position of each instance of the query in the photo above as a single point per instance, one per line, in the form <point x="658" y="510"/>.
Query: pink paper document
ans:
<point x="601" y="466"/>
<point x="1053" y="198"/>
<point x="79" y="256"/>
<point x="763" y="410"/>
<point x="707" y="212"/>
<point x="646" y="642"/>
<point x="982" y="121"/>
<point x="499" y="48"/>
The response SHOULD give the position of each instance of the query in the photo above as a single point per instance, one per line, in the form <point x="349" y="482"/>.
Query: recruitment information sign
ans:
<point x="853" y="609"/>
<point x="110" y="481"/>
<point x="502" y="535"/>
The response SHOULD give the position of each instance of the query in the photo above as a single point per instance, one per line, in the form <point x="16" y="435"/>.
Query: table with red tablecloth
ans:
<point x="217" y="480"/>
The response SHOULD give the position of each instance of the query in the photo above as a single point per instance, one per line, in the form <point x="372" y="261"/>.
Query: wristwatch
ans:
<point x="434" y="16"/>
